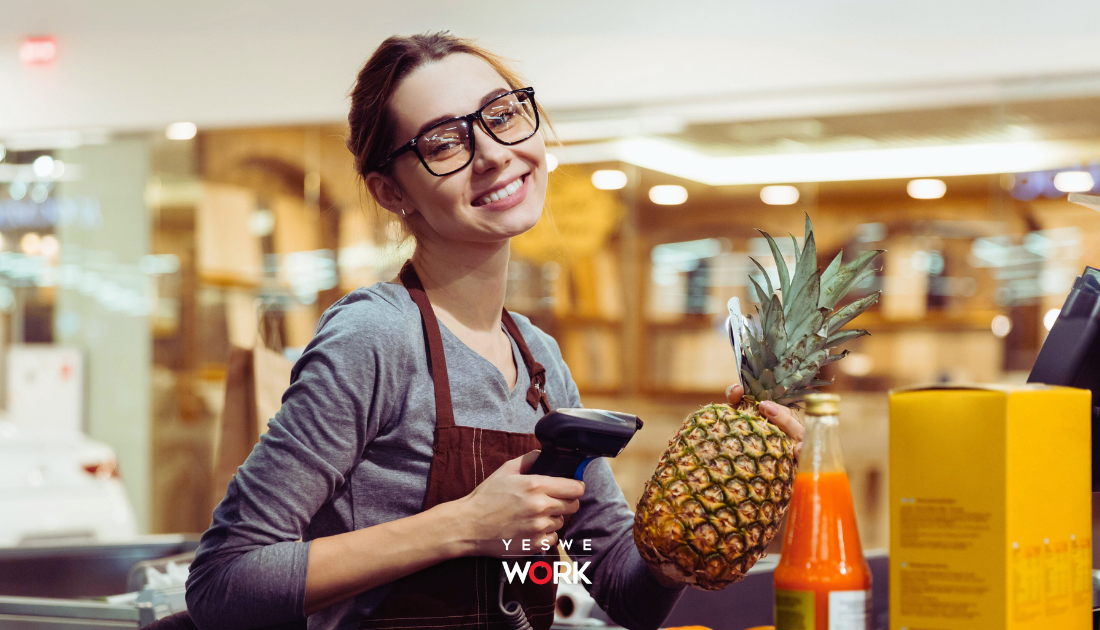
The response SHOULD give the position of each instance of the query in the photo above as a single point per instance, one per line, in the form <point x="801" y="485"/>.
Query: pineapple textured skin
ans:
<point x="717" y="498"/>
<point x="722" y="487"/>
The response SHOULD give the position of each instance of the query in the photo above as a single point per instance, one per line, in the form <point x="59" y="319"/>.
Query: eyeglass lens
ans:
<point x="447" y="148"/>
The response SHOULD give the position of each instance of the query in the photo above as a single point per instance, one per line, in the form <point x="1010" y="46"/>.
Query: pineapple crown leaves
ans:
<point x="791" y="343"/>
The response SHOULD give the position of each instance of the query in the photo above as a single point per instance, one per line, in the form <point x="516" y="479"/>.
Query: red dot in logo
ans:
<point x="544" y="565"/>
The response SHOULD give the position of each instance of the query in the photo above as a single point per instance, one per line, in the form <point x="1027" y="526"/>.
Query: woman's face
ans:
<point x="457" y="206"/>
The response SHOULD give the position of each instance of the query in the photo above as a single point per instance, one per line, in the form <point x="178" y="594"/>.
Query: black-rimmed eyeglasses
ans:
<point x="448" y="147"/>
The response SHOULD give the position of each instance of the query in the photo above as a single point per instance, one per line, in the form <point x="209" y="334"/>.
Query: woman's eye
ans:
<point x="442" y="147"/>
<point x="503" y="119"/>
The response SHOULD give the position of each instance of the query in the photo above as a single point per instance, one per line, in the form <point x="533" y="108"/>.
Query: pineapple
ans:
<point x="723" y="485"/>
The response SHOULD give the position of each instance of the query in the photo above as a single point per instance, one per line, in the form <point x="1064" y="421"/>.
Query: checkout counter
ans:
<point x="82" y="588"/>
<point x="93" y="586"/>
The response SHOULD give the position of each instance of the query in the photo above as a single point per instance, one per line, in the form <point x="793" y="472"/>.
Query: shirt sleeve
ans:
<point x="250" y="568"/>
<point x="621" y="582"/>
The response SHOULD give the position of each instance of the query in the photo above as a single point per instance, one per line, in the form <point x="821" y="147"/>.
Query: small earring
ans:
<point x="402" y="212"/>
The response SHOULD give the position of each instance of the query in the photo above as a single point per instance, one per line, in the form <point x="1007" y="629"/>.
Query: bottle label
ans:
<point x="849" y="610"/>
<point x="794" y="610"/>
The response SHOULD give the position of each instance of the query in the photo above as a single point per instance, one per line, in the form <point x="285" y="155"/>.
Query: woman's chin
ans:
<point x="514" y="222"/>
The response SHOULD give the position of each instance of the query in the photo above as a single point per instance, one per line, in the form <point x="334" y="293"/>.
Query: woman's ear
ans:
<point x="386" y="192"/>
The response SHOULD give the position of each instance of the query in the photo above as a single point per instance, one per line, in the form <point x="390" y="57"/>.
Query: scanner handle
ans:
<point x="554" y="463"/>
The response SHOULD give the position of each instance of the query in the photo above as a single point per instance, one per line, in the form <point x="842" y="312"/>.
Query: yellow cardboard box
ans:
<point x="990" y="508"/>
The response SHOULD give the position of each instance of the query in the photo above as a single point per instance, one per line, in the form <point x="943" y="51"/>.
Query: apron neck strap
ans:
<point x="536" y="393"/>
<point x="437" y="362"/>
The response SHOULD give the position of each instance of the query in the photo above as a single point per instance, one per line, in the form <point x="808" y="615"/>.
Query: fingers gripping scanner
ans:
<point x="572" y="438"/>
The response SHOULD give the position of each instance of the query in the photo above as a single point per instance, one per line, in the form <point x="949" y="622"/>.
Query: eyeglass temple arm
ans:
<point x="408" y="146"/>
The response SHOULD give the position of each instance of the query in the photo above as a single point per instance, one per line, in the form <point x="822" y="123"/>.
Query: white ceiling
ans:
<point x="127" y="65"/>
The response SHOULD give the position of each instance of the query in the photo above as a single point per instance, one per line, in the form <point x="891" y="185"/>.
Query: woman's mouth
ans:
<point x="505" y="192"/>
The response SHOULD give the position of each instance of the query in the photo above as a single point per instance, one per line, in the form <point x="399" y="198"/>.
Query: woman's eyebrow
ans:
<point x="491" y="95"/>
<point x="484" y="101"/>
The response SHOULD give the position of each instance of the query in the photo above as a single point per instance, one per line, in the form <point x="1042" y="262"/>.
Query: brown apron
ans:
<point x="463" y="592"/>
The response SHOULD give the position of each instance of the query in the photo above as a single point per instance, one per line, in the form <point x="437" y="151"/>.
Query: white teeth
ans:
<point x="508" y="190"/>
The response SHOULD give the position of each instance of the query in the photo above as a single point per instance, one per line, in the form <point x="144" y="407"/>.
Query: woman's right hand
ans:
<point x="512" y="506"/>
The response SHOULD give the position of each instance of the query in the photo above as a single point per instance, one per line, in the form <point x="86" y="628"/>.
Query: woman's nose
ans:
<point x="488" y="153"/>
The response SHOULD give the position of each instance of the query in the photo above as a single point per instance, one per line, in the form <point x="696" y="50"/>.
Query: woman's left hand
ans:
<point x="777" y="414"/>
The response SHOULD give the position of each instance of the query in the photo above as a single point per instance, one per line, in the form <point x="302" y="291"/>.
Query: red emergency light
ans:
<point x="38" y="51"/>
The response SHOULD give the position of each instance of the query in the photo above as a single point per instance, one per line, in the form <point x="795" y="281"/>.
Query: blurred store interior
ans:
<point x="174" y="179"/>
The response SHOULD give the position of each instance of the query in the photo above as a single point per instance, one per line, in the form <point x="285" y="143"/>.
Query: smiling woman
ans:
<point x="463" y="159"/>
<point x="399" y="452"/>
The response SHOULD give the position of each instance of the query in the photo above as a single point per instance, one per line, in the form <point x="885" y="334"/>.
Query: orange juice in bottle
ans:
<point x="822" y="581"/>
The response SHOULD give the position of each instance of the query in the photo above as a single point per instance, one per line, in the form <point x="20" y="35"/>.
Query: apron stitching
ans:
<point x="491" y="614"/>
<point x="484" y="564"/>
<point x="442" y="625"/>
<point x="473" y="449"/>
<point x="477" y="560"/>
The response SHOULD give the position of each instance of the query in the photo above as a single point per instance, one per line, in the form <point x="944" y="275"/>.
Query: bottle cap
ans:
<point x="822" y="404"/>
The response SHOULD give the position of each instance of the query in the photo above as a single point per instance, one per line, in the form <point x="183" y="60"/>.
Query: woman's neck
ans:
<point x="467" y="283"/>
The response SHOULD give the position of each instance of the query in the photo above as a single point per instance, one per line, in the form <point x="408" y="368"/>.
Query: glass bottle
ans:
<point x="822" y="581"/>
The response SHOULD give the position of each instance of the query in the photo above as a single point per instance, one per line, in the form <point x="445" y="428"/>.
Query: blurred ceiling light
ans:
<point x="779" y="195"/>
<point x="862" y="366"/>
<point x="684" y="160"/>
<point x="17" y="190"/>
<point x="181" y="131"/>
<point x="43" y="166"/>
<point x="58" y="169"/>
<point x="39" y="192"/>
<point x="1074" y="181"/>
<point x="261" y="223"/>
<point x="668" y="195"/>
<point x="1050" y="317"/>
<point x="551" y="162"/>
<point x="50" y="246"/>
<point x="38" y="51"/>
<point x="1001" y="325"/>
<point x="926" y="188"/>
<point x="609" y="180"/>
<point x="31" y="244"/>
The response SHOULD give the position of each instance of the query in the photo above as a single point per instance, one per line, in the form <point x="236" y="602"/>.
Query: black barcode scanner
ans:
<point x="1070" y="355"/>
<point x="572" y="438"/>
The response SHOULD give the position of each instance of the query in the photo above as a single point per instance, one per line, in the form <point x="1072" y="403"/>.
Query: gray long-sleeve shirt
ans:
<point x="351" y="447"/>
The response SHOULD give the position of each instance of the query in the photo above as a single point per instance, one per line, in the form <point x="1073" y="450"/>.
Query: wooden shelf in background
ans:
<point x="577" y="321"/>
<point x="694" y="396"/>
<point x="932" y="320"/>
<point x="692" y="322"/>
<point x="598" y="391"/>
<point x="227" y="280"/>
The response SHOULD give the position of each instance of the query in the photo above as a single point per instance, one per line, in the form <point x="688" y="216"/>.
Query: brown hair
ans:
<point x="371" y="128"/>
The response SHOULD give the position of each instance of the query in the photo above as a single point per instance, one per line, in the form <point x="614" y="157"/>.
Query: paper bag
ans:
<point x="255" y="380"/>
